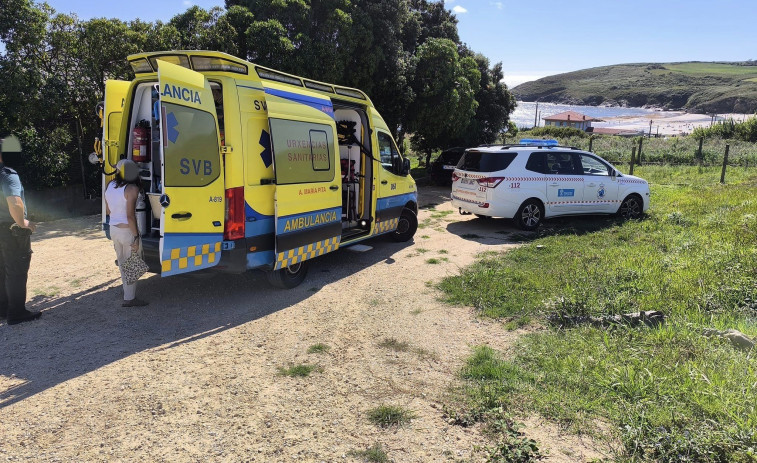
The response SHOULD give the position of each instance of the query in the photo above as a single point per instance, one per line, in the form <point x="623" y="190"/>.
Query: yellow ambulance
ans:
<point x="245" y="167"/>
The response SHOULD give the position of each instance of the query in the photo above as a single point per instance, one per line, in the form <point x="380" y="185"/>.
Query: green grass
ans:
<point x="667" y="393"/>
<point x="319" y="348"/>
<point x="386" y="416"/>
<point x="297" y="370"/>
<point x="373" y="454"/>
<point x="712" y="69"/>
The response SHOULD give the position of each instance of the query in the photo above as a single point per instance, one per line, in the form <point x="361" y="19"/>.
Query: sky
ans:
<point x="534" y="39"/>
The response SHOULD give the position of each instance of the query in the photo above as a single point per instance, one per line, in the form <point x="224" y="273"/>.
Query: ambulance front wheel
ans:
<point x="289" y="277"/>
<point x="406" y="226"/>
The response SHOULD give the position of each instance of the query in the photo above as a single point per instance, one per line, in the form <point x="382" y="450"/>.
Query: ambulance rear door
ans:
<point x="192" y="200"/>
<point x="115" y="94"/>
<point x="308" y="198"/>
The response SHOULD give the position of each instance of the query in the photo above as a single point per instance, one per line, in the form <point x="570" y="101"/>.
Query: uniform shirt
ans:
<point x="10" y="185"/>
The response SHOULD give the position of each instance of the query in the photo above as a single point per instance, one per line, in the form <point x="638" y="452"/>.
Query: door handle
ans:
<point x="592" y="184"/>
<point x="333" y="187"/>
<point x="553" y="184"/>
<point x="181" y="215"/>
<point x="384" y="182"/>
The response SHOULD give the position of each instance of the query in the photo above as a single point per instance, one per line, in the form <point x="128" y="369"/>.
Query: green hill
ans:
<point x="694" y="86"/>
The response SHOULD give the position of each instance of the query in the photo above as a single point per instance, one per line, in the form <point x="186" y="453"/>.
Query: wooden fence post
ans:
<point x="633" y="155"/>
<point x="725" y="163"/>
<point x="699" y="152"/>
<point x="638" y="158"/>
<point x="591" y="142"/>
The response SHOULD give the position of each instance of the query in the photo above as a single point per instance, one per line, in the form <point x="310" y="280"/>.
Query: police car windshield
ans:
<point x="477" y="161"/>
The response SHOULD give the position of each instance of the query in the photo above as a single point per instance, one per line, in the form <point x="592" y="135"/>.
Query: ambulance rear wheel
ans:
<point x="289" y="277"/>
<point x="406" y="226"/>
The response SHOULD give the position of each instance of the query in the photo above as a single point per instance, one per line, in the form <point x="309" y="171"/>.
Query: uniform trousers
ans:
<point x="15" y="257"/>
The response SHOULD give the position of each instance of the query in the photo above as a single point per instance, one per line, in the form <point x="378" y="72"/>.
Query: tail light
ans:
<point x="455" y="177"/>
<point x="233" y="228"/>
<point x="490" y="182"/>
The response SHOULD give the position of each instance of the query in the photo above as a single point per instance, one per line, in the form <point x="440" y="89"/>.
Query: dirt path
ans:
<point x="193" y="376"/>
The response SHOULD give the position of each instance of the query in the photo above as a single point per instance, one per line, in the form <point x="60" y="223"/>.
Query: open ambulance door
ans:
<point x="192" y="200"/>
<point x="308" y="198"/>
<point x="115" y="94"/>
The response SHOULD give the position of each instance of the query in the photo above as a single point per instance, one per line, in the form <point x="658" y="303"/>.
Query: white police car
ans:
<point x="537" y="179"/>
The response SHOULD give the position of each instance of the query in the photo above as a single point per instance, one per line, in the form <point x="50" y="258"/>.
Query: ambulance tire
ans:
<point x="406" y="226"/>
<point x="290" y="277"/>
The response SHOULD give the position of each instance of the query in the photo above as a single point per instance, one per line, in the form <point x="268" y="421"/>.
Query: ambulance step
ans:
<point x="359" y="248"/>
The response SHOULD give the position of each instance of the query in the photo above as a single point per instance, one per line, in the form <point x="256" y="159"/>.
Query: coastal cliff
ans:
<point x="700" y="87"/>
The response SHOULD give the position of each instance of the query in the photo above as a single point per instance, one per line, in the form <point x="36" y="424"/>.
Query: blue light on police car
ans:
<point x="536" y="142"/>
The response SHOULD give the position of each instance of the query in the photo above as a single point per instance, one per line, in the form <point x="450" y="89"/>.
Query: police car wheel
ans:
<point x="289" y="277"/>
<point x="406" y="226"/>
<point x="529" y="215"/>
<point x="630" y="208"/>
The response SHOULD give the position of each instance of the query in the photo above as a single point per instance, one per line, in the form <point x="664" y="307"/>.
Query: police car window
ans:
<point x="387" y="151"/>
<point x="302" y="151"/>
<point x="593" y="166"/>
<point x="479" y="161"/>
<point x="536" y="163"/>
<point x="191" y="153"/>
<point x="563" y="164"/>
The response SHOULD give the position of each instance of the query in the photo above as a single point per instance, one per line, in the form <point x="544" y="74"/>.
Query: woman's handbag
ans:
<point x="133" y="268"/>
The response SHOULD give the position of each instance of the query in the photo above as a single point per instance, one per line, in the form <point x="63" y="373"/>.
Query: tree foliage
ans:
<point x="405" y="54"/>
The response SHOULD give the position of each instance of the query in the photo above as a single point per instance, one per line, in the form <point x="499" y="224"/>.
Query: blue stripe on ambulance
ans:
<point x="184" y="252"/>
<point x="388" y="211"/>
<point x="321" y="104"/>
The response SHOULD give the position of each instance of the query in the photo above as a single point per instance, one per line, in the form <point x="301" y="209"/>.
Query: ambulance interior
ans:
<point x="356" y="170"/>
<point x="144" y="149"/>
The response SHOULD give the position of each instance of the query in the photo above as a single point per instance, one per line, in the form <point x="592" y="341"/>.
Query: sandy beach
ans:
<point x="667" y="122"/>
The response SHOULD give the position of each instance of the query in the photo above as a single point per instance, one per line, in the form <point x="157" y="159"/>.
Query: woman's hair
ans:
<point x="127" y="173"/>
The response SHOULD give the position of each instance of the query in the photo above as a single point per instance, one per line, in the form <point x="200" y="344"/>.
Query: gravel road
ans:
<point x="194" y="375"/>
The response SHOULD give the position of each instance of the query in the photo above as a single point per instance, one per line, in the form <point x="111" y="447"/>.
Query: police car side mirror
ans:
<point x="10" y="144"/>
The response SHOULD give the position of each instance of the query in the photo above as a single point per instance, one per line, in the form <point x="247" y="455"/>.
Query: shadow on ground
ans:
<point x="82" y="332"/>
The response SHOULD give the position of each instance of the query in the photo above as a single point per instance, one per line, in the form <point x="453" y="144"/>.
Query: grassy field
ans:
<point x="662" y="394"/>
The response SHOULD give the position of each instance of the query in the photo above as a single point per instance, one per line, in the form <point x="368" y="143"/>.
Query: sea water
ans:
<point x="524" y="113"/>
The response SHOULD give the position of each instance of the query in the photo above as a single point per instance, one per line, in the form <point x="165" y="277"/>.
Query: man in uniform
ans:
<point x="15" y="247"/>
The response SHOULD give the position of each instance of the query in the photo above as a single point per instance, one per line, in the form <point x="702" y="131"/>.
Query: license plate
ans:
<point x="467" y="181"/>
<point x="448" y="167"/>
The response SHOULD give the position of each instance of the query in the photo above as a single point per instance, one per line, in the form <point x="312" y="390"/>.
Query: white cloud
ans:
<point x="499" y="5"/>
<point x="459" y="9"/>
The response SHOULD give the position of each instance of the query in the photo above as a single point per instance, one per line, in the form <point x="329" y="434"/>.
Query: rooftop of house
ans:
<point x="571" y="116"/>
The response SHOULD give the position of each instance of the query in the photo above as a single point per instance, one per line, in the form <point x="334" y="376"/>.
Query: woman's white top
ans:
<point x="116" y="199"/>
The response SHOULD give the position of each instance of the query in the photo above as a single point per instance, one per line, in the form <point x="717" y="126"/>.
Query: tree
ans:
<point x="495" y="103"/>
<point x="445" y="87"/>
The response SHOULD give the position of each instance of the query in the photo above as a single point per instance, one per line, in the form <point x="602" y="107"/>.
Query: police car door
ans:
<point x="308" y="198"/>
<point x="565" y="190"/>
<point x="191" y="172"/>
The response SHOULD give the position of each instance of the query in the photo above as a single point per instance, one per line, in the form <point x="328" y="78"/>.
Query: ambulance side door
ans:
<point x="308" y="197"/>
<point x="193" y="207"/>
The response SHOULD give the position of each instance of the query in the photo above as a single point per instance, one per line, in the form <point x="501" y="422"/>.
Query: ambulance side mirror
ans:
<point x="405" y="167"/>
<point x="10" y="144"/>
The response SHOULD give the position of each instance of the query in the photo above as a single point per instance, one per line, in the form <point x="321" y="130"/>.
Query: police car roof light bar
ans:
<point x="537" y="142"/>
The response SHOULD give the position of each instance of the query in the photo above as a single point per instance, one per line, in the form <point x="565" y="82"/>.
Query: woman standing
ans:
<point x="121" y="203"/>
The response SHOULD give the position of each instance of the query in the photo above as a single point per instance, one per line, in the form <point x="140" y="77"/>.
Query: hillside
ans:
<point x="694" y="86"/>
